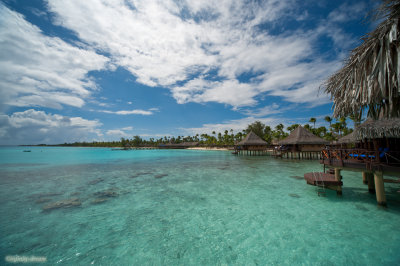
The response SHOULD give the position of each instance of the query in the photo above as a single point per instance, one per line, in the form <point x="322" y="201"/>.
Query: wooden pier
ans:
<point x="301" y="155"/>
<point x="252" y="152"/>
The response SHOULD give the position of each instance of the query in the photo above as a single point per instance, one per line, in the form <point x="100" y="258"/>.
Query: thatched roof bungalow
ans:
<point x="252" y="140"/>
<point x="303" y="140"/>
<point x="348" y="140"/>
<point x="370" y="78"/>
<point x="379" y="134"/>
<point x="378" y="129"/>
<point x="252" y="145"/>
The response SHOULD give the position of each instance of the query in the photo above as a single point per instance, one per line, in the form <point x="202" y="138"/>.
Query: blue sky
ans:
<point x="101" y="70"/>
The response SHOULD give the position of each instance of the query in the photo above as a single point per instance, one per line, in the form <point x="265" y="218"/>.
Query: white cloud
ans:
<point x="120" y="132"/>
<point x="151" y="41"/>
<point x="131" y="112"/>
<point x="304" y="94"/>
<point x="166" y="42"/>
<point x="37" y="70"/>
<point x="228" y="91"/>
<point x="35" y="127"/>
<point x="117" y="133"/>
<point x="264" y="111"/>
<point x="347" y="12"/>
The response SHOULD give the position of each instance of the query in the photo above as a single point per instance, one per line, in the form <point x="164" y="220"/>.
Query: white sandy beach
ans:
<point x="209" y="149"/>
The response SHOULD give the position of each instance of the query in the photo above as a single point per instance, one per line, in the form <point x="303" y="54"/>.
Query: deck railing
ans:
<point x="361" y="156"/>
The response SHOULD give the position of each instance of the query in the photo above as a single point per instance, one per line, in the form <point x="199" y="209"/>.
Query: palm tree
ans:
<point x="292" y="127"/>
<point x="356" y="118"/>
<point x="371" y="70"/>
<point x="278" y="132"/>
<point x="321" y="131"/>
<point x="308" y="127"/>
<point x="313" y="120"/>
<point x="342" y="122"/>
<point x="257" y="127"/>
<point x="279" y="127"/>
<point x="329" y="120"/>
<point x="337" y="128"/>
<point x="239" y="136"/>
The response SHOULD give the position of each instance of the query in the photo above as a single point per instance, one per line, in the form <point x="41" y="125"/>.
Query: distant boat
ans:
<point x="27" y="150"/>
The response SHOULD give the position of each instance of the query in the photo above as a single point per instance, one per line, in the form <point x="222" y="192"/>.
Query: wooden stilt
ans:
<point x="380" y="189"/>
<point x="370" y="182"/>
<point x="338" y="177"/>
<point x="364" y="178"/>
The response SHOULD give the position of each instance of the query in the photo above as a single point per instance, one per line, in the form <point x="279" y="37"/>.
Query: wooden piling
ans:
<point x="364" y="178"/>
<point x="371" y="183"/>
<point x="338" y="177"/>
<point x="380" y="189"/>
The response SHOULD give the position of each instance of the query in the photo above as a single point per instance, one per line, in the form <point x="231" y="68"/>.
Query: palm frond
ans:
<point x="370" y="77"/>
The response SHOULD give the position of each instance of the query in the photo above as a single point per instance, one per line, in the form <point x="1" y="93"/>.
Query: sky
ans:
<point x="99" y="70"/>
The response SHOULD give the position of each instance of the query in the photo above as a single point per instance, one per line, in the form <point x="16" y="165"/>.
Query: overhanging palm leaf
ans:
<point x="370" y="77"/>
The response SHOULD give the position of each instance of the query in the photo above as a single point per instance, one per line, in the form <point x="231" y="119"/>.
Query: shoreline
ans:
<point x="208" y="149"/>
<point x="132" y="148"/>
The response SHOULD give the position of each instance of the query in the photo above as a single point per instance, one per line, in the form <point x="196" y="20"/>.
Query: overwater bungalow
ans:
<point x="369" y="81"/>
<point x="301" y="144"/>
<point x="377" y="149"/>
<point x="251" y="145"/>
<point x="376" y="154"/>
<point x="348" y="141"/>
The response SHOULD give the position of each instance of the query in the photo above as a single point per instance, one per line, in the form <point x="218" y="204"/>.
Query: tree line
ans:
<point x="335" y="130"/>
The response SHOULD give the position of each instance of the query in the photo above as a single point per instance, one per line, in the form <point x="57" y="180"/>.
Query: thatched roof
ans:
<point x="302" y="136"/>
<point x="370" y="77"/>
<point x="383" y="128"/>
<point x="252" y="140"/>
<point x="349" y="138"/>
<point x="275" y="141"/>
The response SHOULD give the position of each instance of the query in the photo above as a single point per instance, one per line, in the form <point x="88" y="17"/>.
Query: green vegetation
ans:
<point x="335" y="130"/>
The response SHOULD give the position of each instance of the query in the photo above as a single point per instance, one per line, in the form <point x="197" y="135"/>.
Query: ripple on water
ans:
<point x="213" y="208"/>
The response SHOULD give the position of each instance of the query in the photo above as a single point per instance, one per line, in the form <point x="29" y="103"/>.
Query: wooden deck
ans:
<point x="322" y="179"/>
<point x="362" y="160"/>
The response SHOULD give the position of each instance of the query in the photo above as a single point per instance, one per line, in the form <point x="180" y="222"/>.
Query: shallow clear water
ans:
<point x="187" y="207"/>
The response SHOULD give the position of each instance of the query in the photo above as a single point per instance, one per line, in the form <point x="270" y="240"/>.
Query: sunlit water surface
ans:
<point x="186" y="207"/>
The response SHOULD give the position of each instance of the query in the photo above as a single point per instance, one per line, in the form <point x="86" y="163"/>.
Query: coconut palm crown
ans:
<point x="370" y="77"/>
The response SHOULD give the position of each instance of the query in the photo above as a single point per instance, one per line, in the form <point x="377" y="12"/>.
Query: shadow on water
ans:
<point x="297" y="177"/>
<point x="160" y="175"/>
<point x="362" y="198"/>
<point x="141" y="174"/>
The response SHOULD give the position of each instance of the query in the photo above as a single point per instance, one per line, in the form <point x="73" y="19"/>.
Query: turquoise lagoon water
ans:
<point x="168" y="207"/>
